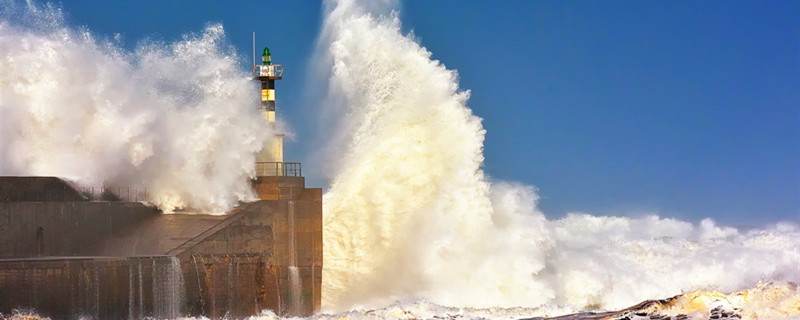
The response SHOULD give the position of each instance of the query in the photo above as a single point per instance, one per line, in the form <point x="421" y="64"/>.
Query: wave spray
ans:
<point x="411" y="215"/>
<point x="177" y="119"/>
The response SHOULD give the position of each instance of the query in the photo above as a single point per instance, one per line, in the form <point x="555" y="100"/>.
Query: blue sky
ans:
<point x="689" y="109"/>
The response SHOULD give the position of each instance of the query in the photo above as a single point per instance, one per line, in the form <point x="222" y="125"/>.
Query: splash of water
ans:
<point x="410" y="214"/>
<point x="177" y="119"/>
<point x="773" y="300"/>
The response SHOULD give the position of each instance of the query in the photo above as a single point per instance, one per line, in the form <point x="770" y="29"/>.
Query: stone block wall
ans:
<point x="96" y="288"/>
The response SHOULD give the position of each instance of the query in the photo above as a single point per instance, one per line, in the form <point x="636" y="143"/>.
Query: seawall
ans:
<point x="125" y="260"/>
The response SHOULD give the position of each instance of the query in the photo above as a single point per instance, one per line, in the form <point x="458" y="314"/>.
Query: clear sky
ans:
<point x="689" y="109"/>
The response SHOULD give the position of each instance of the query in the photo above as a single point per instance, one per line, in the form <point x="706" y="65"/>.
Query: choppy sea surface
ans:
<point x="770" y="300"/>
<point x="400" y="128"/>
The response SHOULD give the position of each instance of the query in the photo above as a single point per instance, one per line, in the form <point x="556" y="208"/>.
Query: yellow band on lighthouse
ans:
<point x="269" y="116"/>
<point x="268" y="95"/>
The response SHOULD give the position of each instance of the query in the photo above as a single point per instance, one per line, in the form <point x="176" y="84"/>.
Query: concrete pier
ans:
<point x="68" y="258"/>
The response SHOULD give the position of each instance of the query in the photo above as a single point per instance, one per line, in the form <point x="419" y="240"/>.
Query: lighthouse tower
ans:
<point x="269" y="161"/>
<point x="295" y="265"/>
<point x="267" y="73"/>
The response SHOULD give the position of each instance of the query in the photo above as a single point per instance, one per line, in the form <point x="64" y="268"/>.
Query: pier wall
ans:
<point x="40" y="229"/>
<point x="124" y="260"/>
<point x="95" y="288"/>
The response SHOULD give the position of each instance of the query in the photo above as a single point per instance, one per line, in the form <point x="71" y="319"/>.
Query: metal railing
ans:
<point x="106" y="193"/>
<point x="279" y="169"/>
<point x="113" y="193"/>
<point x="272" y="70"/>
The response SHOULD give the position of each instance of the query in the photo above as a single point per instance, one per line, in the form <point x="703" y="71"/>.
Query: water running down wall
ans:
<point x="410" y="214"/>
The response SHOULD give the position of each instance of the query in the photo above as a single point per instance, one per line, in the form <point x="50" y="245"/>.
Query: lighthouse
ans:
<point x="267" y="73"/>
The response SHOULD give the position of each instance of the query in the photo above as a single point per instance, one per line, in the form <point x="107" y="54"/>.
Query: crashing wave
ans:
<point x="777" y="300"/>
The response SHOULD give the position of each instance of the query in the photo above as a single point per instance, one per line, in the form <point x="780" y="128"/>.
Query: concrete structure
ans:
<point x="70" y="253"/>
<point x="67" y="257"/>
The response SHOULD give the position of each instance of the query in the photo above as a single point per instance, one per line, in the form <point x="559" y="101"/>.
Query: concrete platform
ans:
<point x="74" y="258"/>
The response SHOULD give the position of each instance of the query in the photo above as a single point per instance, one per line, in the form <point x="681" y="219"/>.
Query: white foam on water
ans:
<point x="411" y="215"/>
<point x="771" y="300"/>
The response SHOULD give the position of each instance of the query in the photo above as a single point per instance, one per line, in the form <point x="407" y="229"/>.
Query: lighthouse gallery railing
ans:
<point x="279" y="169"/>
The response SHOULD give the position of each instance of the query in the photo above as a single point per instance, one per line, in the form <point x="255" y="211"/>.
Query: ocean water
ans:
<point x="410" y="214"/>
<point x="413" y="227"/>
<point x="772" y="301"/>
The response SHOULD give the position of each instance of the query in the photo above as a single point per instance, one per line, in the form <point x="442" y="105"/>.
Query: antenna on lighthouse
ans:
<point x="254" y="51"/>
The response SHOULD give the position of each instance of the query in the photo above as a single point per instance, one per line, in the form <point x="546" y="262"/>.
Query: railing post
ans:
<point x="279" y="169"/>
